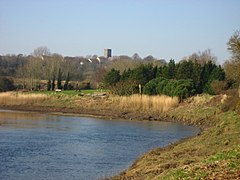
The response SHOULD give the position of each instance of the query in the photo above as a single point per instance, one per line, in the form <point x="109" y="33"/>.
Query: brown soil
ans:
<point x="101" y="113"/>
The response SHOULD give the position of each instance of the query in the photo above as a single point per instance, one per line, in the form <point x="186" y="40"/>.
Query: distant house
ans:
<point x="107" y="53"/>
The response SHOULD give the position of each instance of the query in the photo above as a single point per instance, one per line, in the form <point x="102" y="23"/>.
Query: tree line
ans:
<point x="198" y="72"/>
<point x="45" y="70"/>
<point x="195" y="74"/>
<point x="183" y="79"/>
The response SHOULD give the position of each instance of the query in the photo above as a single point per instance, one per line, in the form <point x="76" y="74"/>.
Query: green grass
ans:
<point x="221" y="162"/>
<point x="67" y="92"/>
<point x="233" y="156"/>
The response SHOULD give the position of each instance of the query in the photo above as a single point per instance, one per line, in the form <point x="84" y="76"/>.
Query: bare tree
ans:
<point x="202" y="57"/>
<point x="136" y="56"/>
<point x="33" y="72"/>
<point x="232" y="69"/>
<point x="234" y="45"/>
<point x="51" y="66"/>
<point x="149" y="58"/>
<point x="122" y="64"/>
<point x="232" y="66"/>
<point x="41" y="51"/>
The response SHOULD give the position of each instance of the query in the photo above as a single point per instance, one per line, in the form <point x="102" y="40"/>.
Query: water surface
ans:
<point x="44" y="146"/>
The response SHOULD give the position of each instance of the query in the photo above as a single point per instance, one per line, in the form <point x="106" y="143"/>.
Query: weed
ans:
<point x="15" y="98"/>
<point x="156" y="104"/>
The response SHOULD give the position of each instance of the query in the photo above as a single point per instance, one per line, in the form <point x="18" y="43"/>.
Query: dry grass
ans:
<point x="145" y="103"/>
<point x="15" y="98"/>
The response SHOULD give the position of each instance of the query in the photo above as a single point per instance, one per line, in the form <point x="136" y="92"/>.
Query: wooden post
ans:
<point x="140" y="89"/>
<point x="239" y="91"/>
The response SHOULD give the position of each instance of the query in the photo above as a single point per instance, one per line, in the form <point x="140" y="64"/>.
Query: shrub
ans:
<point x="124" y="88"/>
<point x="218" y="86"/>
<point x="6" y="84"/>
<point x="151" y="87"/>
<point x="111" y="78"/>
<point x="232" y="102"/>
<point x="181" y="88"/>
<point x="161" y="85"/>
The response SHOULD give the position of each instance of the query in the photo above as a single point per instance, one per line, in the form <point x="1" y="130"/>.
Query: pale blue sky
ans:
<point x="162" y="28"/>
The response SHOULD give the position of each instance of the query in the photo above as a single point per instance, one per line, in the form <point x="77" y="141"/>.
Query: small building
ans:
<point x="107" y="53"/>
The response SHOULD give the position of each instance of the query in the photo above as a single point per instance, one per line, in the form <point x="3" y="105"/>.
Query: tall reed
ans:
<point x="15" y="98"/>
<point x="156" y="104"/>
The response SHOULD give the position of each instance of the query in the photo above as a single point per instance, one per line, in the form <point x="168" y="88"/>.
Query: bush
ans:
<point x="184" y="89"/>
<point x="181" y="88"/>
<point x="161" y="86"/>
<point x="151" y="87"/>
<point x="124" y="88"/>
<point x="6" y="84"/>
<point x="111" y="78"/>
<point x="232" y="102"/>
<point x="218" y="86"/>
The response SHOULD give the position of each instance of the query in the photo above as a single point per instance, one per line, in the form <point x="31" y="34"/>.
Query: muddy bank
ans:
<point x="102" y="113"/>
<point x="109" y="114"/>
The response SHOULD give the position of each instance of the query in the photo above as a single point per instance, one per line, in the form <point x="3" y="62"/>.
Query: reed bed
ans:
<point x="156" y="104"/>
<point x="15" y="98"/>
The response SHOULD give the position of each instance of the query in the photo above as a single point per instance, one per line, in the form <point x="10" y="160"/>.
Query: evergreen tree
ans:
<point x="171" y="69"/>
<point x="143" y="74"/>
<point x="207" y="69"/>
<point x="59" y="79"/>
<point x="197" y="77"/>
<point x="53" y="83"/>
<point x="211" y="72"/>
<point x="126" y="75"/>
<point x="112" y="77"/>
<point x="49" y="85"/>
<point x="65" y="86"/>
<point x="167" y="71"/>
<point x="184" y="70"/>
<point x="6" y="84"/>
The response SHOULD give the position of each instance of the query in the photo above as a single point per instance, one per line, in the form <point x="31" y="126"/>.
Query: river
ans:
<point x="46" y="146"/>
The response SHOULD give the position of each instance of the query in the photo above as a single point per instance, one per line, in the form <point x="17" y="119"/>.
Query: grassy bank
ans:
<point x="91" y="101"/>
<point x="214" y="153"/>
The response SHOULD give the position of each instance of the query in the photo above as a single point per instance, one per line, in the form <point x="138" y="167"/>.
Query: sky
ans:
<point x="164" y="29"/>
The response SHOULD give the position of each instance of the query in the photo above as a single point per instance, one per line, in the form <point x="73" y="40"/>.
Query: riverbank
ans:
<point x="109" y="107"/>
<point x="214" y="153"/>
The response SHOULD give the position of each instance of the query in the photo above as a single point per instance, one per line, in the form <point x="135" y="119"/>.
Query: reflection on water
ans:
<point x="19" y="119"/>
<point x="43" y="146"/>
